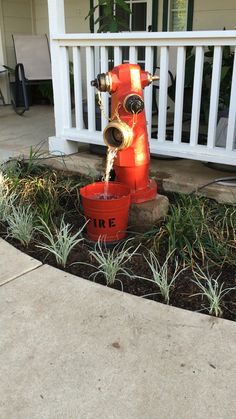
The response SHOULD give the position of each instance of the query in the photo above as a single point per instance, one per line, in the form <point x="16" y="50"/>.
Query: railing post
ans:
<point x="58" y="144"/>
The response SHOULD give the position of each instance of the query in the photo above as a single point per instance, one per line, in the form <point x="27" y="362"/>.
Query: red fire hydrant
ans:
<point x="127" y="131"/>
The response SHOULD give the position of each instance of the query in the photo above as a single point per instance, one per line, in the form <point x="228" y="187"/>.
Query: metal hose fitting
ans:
<point x="118" y="135"/>
<point x="102" y="82"/>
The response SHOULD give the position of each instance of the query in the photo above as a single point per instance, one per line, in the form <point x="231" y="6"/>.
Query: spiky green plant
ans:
<point x="7" y="199"/>
<point x="21" y="224"/>
<point x="60" y="240"/>
<point x="185" y="226"/>
<point x="111" y="262"/>
<point x="225" y="222"/>
<point x="198" y="230"/>
<point x="211" y="289"/>
<point x="161" y="276"/>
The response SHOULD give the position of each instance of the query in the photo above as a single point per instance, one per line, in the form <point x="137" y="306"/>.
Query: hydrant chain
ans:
<point x="101" y="106"/>
<point x="116" y="113"/>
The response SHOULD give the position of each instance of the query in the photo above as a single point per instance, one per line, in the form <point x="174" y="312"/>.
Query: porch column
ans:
<point x="4" y="85"/>
<point x="59" y="145"/>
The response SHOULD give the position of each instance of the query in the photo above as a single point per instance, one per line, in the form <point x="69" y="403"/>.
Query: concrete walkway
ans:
<point x="18" y="133"/>
<point x="73" y="349"/>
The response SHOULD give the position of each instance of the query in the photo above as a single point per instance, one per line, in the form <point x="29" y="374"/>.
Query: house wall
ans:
<point x="209" y="14"/>
<point x="17" y="18"/>
<point x="31" y="17"/>
<point x="75" y="12"/>
<point x="214" y="14"/>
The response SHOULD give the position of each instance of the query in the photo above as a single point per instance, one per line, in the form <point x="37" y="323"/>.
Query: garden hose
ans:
<point x="224" y="181"/>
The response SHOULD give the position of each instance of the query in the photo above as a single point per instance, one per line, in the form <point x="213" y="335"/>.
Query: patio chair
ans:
<point x="33" y="67"/>
<point x="155" y="100"/>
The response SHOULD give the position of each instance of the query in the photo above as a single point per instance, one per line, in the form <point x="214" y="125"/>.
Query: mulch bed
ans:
<point x="182" y="292"/>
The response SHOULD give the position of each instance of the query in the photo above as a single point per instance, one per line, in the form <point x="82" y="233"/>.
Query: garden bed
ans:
<point x="196" y="241"/>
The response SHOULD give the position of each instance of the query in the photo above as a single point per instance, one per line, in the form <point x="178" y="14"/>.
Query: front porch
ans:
<point x="18" y="134"/>
<point x="68" y="135"/>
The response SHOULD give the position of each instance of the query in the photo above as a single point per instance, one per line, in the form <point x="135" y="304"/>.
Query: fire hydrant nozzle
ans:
<point x="118" y="135"/>
<point x="154" y="78"/>
<point x="127" y="131"/>
<point x="102" y="82"/>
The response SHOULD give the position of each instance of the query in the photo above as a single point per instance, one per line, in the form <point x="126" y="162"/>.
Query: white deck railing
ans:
<point x="90" y="54"/>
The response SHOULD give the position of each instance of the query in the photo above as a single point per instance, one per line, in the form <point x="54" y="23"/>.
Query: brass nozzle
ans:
<point x="118" y="135"/>
<point x="155" y="77"/>
<point x="102" y="82"/>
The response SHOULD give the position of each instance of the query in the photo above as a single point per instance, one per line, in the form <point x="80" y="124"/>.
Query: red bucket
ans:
<point x="108" y="217"/>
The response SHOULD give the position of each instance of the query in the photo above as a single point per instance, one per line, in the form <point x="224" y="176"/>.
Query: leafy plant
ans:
<point x="183" y="228"/>
<point x="31" y="164"/>
<point x="111" y="263"/>
<point x="46" y="91"/>
<point x="39" y="191"/>
<point x="225" y="221"/>
<point x="45" y="211"/>
<point x="60" y="240"/>
<point x="21" y="224"/>
<point x="226" y="72"/>
<point x="211" y="290"/>
<point x="10" y="169"/>
<point x="197" y="230"/>
<point x="215" y="248"/>
<point x="161" y="275"/>
<point x="112" y="16"/>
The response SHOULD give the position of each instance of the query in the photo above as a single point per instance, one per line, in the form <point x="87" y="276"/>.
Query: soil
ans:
<point x="182" y="291"/>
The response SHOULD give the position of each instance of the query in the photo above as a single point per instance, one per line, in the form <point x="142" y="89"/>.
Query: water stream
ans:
<point x="111" y="154"/>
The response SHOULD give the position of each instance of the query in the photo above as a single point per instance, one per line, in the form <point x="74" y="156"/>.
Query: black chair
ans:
<point x="155" y="99"/>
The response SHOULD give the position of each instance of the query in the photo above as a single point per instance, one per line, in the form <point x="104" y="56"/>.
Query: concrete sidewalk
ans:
<point x="74" y="349"/>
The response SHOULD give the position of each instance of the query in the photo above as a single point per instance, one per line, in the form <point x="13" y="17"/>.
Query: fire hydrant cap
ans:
<point x="134" y="104"/>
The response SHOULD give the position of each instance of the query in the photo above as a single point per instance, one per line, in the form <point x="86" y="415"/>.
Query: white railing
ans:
<point x="90" y="53"/>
